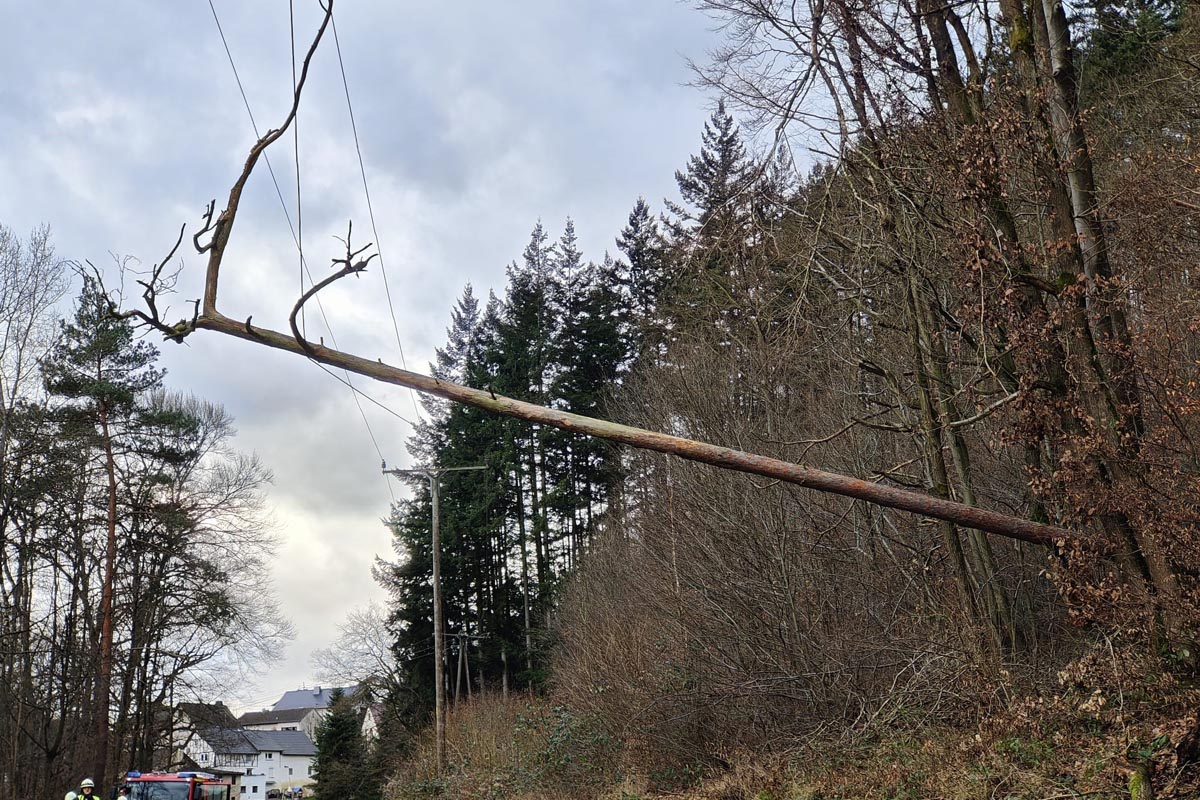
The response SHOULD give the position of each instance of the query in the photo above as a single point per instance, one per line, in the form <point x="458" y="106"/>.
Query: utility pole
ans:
<point x="434" y="475"/>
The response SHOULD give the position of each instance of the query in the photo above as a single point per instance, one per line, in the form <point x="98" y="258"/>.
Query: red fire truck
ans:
<point x="177" y="786"/>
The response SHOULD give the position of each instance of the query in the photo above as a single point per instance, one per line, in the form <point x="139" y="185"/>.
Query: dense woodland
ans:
<point x="950" y="249"/>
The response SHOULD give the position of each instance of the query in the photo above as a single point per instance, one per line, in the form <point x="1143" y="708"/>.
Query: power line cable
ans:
<point x="371" y="210"/>
<point x="296" y="150"/>
<point x="355" y="391"/>
<point x="354" y="388"/>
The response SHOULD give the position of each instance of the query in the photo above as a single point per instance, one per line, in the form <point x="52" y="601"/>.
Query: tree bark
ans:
<point x="104" y="673"/>
<point x="690" y="449"/>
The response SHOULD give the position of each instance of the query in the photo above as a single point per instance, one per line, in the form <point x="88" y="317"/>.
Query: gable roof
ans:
<point x="290" y="743"/>
<point x="232" y="741"/>
<point x="309" y="698"/>
<point x="228" y="741"/>
<point x="206" y="715"/>
<point x="272" y="717"/>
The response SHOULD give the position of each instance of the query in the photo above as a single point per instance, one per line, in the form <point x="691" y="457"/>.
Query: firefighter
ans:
<point x="87" y="789"/>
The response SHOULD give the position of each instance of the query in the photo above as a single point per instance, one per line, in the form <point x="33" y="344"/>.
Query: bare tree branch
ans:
<point x="703" y="452"/>
<point x="349" y="267"/>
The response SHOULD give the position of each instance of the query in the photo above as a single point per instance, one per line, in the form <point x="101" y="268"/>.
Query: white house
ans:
<point x="296" y="710"/>
<point x="258" y="761"/>
<point x="205" y="735"/>
<point x="294" y="719"/>
<point x="285" y="760"/>
<point x="262" y="750"/>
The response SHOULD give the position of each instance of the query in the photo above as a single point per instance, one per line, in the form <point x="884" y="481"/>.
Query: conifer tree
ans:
<point x="711" y="232"/>
<point x="523" y="352"/>
<point x="643" y="277"/>
<point x="341" y="764"/>
<point x="478" y="595"/>
<point x="714" y="184"/>
<point x="641" y="242"/>
<point x="1121" y="34"/>
<point x="100" y="371"/>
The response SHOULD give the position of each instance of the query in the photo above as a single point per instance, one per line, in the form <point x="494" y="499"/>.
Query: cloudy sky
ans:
<point x="120" y="120"/>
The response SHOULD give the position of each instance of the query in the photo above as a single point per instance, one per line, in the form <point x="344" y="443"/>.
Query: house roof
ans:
<point x="203" y="715"/>
<point x="271" y="717"/>
<point x="229" y="741"/>
<point x="290" y="743"/>
<point x="232" y="741"/>
<point x="309" y="698"/>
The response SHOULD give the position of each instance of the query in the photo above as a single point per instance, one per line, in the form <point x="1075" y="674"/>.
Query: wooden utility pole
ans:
<point x="433" y="475"/>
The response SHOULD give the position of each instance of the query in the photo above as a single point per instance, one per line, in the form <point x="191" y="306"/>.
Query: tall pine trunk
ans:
<point x="104" y="671"/>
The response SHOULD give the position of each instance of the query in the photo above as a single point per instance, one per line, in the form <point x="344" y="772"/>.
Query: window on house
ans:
<point x="289" y="770"/>
<point x="270" y="755"/>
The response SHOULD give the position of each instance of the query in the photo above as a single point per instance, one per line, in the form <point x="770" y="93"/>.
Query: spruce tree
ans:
<point x="643" y="277"/>
<point x="523" y="355"/>
<point x="478" y="595"/>
<point x="641" y="242"/>
<point x="711" y="233"/>
<point x="510" y="533"/>
<point x="1120" y="36"/>
<point x="341" y="764"/>
<point x="714" y="184"/>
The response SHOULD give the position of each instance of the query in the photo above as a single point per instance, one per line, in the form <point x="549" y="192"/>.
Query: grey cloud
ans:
<point x="121" y="120"/>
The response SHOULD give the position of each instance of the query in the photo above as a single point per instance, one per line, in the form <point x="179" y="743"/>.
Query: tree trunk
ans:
<point x="104" y="672"/>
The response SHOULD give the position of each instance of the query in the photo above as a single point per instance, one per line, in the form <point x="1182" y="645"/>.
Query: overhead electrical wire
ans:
<point x="296" y="149"/>
<point x="355" y="391"/>
<point x="370" y="209"/>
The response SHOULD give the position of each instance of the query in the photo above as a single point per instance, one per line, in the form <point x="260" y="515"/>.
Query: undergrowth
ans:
<point x="1109" y="717"/>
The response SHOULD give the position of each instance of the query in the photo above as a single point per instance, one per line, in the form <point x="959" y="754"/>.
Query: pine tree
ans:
<point x="341" y="764"/>
<point x="100" y="371"/>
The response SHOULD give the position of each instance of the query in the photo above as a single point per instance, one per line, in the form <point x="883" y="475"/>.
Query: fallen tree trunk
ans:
<point x="725" y="457"/>
<point x="207" y="317"/>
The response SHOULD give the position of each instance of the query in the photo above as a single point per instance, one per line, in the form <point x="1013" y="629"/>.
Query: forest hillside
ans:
<point x="942" y="247"/>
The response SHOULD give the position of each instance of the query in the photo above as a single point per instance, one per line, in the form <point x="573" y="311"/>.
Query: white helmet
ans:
<point x="87" y="783"/>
